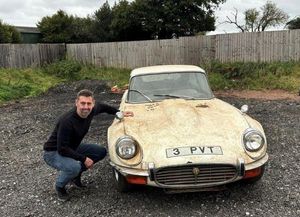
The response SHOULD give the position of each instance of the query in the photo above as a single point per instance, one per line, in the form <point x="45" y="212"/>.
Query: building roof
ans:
<point x="27" y="29"/>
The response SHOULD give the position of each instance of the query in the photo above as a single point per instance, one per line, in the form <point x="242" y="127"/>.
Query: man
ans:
<point x="64" y="151"/>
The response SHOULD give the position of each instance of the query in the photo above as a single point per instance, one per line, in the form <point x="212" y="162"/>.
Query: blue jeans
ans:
<point x="70" y="168"/>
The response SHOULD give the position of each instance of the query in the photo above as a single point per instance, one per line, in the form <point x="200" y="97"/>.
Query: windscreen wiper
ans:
<point x="175" y="96"/>
<point x="144" y="95"/>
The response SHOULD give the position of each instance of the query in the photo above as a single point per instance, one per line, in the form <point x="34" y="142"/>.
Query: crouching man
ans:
<point x="64" y="150"/>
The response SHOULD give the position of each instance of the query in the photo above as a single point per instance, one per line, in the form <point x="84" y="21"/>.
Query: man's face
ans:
<point x="84" y="106"/>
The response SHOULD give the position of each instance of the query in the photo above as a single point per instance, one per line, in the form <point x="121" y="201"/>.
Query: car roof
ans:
<point x="164" y="69"/>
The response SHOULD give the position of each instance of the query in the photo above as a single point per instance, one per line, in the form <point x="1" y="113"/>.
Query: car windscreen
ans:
<point x="160" y="86"/>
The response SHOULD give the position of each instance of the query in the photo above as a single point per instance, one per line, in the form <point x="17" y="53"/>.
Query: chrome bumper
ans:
<point x="188" y="173"/>
<point x="240" y="166"/>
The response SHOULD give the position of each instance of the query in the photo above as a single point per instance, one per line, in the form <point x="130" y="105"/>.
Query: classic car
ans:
<point x="181" y="137"/>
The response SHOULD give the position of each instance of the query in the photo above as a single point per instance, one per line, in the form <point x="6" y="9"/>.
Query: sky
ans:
<point x="30" y="12"/>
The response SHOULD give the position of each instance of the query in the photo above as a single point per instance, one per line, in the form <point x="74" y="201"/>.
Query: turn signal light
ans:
<point x="138" y="180"/>
<point x="252" y="173"/>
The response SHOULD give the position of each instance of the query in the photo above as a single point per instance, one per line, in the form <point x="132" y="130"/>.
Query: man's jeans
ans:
<point x="70" y="168"/>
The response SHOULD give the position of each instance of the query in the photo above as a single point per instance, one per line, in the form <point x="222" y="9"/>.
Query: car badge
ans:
<point x="196" y="171"/>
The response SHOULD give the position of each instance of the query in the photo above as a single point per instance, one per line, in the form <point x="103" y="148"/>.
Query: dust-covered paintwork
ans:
<point x="211" y="129"/>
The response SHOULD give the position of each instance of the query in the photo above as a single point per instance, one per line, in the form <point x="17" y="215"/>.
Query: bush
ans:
<point x="240" y="70"/>
<point x="67" y="69"/>
<point x="250" y="75"/>
<point x="10" y="92"/>
<point x="9" y="34"/>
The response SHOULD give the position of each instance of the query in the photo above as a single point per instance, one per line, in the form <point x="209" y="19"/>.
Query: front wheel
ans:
<point x="121" y="182"/>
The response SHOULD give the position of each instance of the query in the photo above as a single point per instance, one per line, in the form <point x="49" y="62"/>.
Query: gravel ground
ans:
<point x="26" y="183"/>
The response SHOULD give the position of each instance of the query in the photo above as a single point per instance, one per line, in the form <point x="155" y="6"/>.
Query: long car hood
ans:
<point x="178" y="123"/>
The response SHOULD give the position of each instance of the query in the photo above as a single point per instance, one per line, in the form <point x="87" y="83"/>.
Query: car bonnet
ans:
<point x="185" y="123"/>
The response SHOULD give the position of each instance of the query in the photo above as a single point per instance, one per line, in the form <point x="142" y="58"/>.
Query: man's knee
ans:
<point x="93" y="151"/>
<point x="100" y="153"/>
<point x="73" y="169"/>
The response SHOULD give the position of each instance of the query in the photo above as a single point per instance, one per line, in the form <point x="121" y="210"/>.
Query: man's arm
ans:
<point x="100" y="108"/>
<point x="104" y="108"/>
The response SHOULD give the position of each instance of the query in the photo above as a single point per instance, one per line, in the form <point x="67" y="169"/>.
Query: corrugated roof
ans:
<point x="27" y="29"/>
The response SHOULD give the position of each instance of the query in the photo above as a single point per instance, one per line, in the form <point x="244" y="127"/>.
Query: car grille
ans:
<point x="190" y="175"/>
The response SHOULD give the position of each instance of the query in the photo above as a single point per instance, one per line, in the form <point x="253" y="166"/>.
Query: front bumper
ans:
<point x="193" y="175"/>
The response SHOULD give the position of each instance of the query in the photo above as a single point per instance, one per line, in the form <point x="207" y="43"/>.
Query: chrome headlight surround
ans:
<point x="126" y="147"/>
<point x="253" y="140"/>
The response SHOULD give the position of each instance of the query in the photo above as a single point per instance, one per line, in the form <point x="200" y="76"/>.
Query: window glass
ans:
<point x="160" y="86"/>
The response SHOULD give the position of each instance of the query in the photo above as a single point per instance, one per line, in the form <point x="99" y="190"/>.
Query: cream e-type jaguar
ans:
<point x="182" y="138"/>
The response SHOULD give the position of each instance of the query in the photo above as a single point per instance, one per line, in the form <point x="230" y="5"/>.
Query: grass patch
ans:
<point x="254" y="76"/>
<point x="66" y="69"/>
<point x="118" y="77"/>
<point x="71" y="70"/>
<point x="22" y="83"/>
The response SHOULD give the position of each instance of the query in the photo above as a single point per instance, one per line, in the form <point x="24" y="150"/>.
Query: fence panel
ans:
<point x="258" y="46"/>
<point x="29" y="55"/>
<point x="186" y="50"/>
<point x="4" y="55"/>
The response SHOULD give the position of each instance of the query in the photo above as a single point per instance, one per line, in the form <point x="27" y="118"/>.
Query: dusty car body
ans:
<point x="181" y="137"/>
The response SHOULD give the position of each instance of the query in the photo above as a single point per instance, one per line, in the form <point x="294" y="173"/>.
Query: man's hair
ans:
<point x="86" y="93"/>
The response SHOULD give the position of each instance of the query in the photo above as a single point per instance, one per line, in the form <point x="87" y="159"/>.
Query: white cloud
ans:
<point x="29" y="12"/>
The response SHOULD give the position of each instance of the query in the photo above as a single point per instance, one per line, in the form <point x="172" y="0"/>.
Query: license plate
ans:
<point x="194" y="150"/>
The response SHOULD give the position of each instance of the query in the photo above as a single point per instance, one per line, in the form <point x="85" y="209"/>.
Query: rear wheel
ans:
<point x="121" y="182"/>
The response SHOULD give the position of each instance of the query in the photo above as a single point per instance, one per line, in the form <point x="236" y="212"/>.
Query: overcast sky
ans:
<point x="29" y="12"/>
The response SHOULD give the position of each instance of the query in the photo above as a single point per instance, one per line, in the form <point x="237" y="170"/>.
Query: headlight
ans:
<point x="253" y="140"/>
<point x="126" y="147"/>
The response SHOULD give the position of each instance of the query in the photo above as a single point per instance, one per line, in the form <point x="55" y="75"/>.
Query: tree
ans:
<point x="169" y="18"/>
<point x="82" y="30"/>
<point x="9" y="34"/>
<point x="258" y="21"/>
<point x="126" y="22"/>
<point x="135" y="20"/>
<point x="62" y="28"/>
<point x="101" y="26"/>
<point x="251" y="19"/>
<point x="149" y="19"/>
<point x="294" y="23"/>
<point x="57" y="28"/>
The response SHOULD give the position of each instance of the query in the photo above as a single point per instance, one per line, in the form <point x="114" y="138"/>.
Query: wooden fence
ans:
<point x="185" y="50"/>
<point x="254" y="47"/>
<point x="258" y="46"/>
<point x="29" y="55"/>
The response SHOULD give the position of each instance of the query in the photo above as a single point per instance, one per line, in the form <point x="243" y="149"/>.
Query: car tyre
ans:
<point x="121" y="182"/>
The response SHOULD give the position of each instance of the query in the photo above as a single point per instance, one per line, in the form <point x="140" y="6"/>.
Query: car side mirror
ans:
<point x="244" y="109"/>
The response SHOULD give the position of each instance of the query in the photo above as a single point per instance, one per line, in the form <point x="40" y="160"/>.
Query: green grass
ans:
<point x="116" y="76"/>
<point x="21" y="83"/>
<point x="254" y="76"/>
